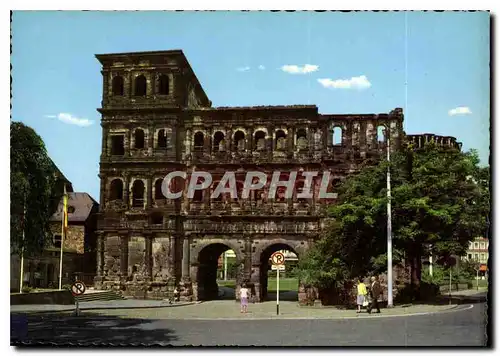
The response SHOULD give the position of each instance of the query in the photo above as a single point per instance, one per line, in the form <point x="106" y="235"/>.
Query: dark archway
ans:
<point x="206" y="278"/>
<point x="288" y="279"/>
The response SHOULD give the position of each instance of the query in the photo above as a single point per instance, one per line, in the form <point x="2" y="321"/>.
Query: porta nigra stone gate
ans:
<point x="156" y="118"/>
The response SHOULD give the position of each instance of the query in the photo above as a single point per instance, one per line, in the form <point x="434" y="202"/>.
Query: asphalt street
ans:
<point x="465" y="327"/>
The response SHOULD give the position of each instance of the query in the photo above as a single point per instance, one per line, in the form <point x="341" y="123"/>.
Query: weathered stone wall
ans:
<point x="158" y="244"/>
<point x="74" y="237"/>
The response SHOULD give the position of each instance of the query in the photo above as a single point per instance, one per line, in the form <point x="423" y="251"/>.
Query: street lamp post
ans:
<point x="389" y="226"/>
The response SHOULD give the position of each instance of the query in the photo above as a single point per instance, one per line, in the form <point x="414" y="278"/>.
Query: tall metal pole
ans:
<point x="389" y="228"/>
<point x="62" y="242"/>
<point x="430" y="262"/>
<point x="22" y="251"/>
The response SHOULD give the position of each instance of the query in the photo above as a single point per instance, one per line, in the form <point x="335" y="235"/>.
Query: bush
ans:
<point x="66" y="287"/>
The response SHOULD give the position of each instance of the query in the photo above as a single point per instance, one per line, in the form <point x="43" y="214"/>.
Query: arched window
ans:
<point x="381" y="133"/>
<point x="116" y="189"/>
<point x="219" y="142"/>
<point x="139" y="138"/>
<point x="117" y="85"/>
<point x="301" y="137"/>
<point x="162" y="139"/>
<point x="239" y="141"/>
<point x="337" y="136"/>
<point x="199" y="141"/>
<point x="158" y="192"/>
<point x="163" y="85"/>
<point x="140" y="86"/>
<point x="259" y="141"/>
<point x="280" y="140"/>
<point x="138" y="193"/>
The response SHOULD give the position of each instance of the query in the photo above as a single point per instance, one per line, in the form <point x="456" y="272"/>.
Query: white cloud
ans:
<point x="243" y="69"/>
<point x="360" y="83"/>
<point x="70" y="119"/>
<point x="261" y="67"/>
<point x="461" y="110"/>
<point x="295" y="69"/>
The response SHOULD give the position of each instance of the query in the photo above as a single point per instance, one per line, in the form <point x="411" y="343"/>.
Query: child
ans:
<point x="244" y="291"/>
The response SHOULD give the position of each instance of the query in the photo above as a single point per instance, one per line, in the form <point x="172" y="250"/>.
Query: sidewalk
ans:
<point x="225" y="309"/>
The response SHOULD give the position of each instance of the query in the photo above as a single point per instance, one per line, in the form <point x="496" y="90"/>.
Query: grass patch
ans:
<point x="286" y="284"/>
<point x="483" y="283"/>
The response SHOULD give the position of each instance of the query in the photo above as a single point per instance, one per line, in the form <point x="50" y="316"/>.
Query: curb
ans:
<point x="82" y="308"/>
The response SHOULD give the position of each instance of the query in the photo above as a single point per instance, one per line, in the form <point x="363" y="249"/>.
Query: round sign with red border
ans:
<point x="278" y="258"/>
<point x="78" y="288"/>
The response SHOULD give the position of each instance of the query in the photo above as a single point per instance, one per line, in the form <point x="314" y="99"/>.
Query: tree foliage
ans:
<point x="33" y="195"/>
<point x="440" y="201"/>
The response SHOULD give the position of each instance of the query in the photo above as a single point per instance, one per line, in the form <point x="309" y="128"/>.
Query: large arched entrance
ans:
<point x="289" y="283"/>
<point x="213" y="268"/>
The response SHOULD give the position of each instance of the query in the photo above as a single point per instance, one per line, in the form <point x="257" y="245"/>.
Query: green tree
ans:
<point x="435" y="202"/>
<point x="33" y="193"/>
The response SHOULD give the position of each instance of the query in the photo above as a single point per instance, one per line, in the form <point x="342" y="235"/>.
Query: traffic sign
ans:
<point x="278" y="258"/>
<point x="78" y="288"/>
<point x="278" y="267"/>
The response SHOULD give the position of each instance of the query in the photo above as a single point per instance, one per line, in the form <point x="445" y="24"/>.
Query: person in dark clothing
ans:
<point x="375" y="291"/>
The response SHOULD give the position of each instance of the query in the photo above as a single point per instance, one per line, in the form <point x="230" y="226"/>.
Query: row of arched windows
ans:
<point x="138" y="191"/>
<point x="139" y="142"/>
<point x="139" y="85"/>
<point x="337" y="135"/>
<point x="259" y="140"/>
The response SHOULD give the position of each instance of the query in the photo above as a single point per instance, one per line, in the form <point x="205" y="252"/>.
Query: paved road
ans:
<point x="452" y="328"/>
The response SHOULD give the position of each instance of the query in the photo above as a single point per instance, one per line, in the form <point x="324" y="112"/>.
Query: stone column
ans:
<point x="102" y="193"/>
<point x="172" y="254"/>
<point x="290" y="140"/>
<point x="186" y="290"/>
<point x="249" y="139"/>
<point x="149" y="192"/>
<point x="229" y="140"/>
<point x="104" y="141"/>
<point x="148" y="258"/>
<point x="124" y="256"/>
<point x="100" y="250"/>
<point x="126" y="191"/>
<point x="151" y="136"/>
<point x="185" y="257"/>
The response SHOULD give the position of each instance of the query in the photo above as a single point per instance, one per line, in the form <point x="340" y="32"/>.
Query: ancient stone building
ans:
<point x="156" y="118"/>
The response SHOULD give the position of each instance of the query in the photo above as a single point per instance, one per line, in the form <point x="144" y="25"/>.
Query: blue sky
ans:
<point x="364" y="61"/>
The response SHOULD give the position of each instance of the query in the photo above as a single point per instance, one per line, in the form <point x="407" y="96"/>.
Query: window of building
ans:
<point x="163" y="85"/>
<point x="140" y="86"/>
<point x="71" y="209"/>
<point x="116" y="190"/>
<point x="469" y="256"/>
<point x="162" y="139"/>
<point x="337" y="136"/>
<point x="117" y="85"/>
<point x="381" y="134"/>
<point x="139" y="138"/>
<point x="57" y="241"/>
<point x="138" y="194"/>
<point x="476" y="256"/>
<point x="158" y="193"/>
<point x="483" y="257"/>
<point x="117" y="145"/>
<point x="482" y="245"/>
<point x="199" y="141"/>
<point x="476" y="245"/>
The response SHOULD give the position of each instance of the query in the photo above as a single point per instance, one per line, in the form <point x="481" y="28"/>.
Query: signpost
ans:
<point x="278" y="260"/>
<point x="78" y="288"/>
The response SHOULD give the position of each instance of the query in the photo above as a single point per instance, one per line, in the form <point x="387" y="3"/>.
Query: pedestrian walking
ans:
<point x="361" y="299"/>
<point x="244" y="291"/>
<point x="375" y="291"/>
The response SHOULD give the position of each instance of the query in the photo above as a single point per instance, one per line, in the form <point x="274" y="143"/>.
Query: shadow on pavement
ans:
<point x="57" y="329"/>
